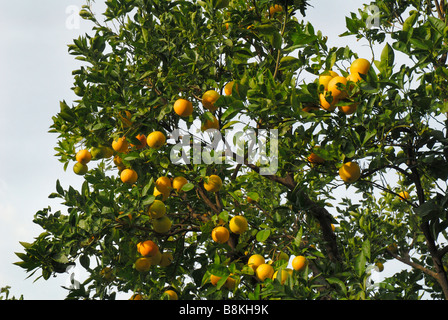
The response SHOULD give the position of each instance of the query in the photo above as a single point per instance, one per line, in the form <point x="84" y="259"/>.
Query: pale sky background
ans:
<point x="35" y="74"/>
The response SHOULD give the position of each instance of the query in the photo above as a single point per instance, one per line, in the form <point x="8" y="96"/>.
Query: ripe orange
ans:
<point x="285" y="273"/>
<point x="136" y="296"/>
<point x="220" y="234"/>
<point x="163" y="184"/>
<point x="354" y="77"/>
<point x="238" y="224"/>
<point x="147" y="248"/>
<point x="350" y="172"/>
<point x="129" y="176"/>
<point x="142" y="264"/>
<point x="298" y="263"/>
<point x="156" y="139"/>
<point x="83" y="156"/>
<point x="213" y="183"/>
<point x="333" y="87"/>
<point x="325" y="77"/>
<point x="209" y="98"/>
<point x="172" y="295"/>
<point x="329" y="106"/>
<point x="165" y="195"/>
<point x="178" y="183"/>
<point x="360" y="65"/>
<point x="120" y="145"/>
<point x="210" y="124"/>
<point x="228" y="88"/>
<point x="274" y="9"/>
<point x="142" y="144"/>
<point x="80" y="169"/>
<point x="183" y="107"/>
<point x="264" y="271"/>
<point x="404" y="195"/>
<point x="214" y="279"/>
<point x="157" y="209"/>
<point x="255" y="260"/>
<point x="315" y="159"/>
<point x="349" y="108"/>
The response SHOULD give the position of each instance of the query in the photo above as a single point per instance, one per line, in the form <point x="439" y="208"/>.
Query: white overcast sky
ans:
<point x="35" y="74"/>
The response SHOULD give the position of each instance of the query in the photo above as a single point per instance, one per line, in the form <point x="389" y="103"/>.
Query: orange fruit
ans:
<point x="156" y="139"/>
<point x="142" y="264"/>
<point x="83" y="156"/>
<point x="213" y="183"/>
<point x="325" y="77"/>
<point x="329" y="106"/>
<point x="333" y="87"/>
<point x="129" y="176"/>
<point x="147" y="248"/>
<point x="255" y="260"/>
<point x="167" y="258"/>
<point x="238" y="224"/>
<point x="298" y="263"/>
<point x="172" y="295"/>
<point x="274" y="9"/>
<point x="315" y="159"/>
<point x="360" y="65"/>
<point x="354" y="77"/>
<point x="120" y="144"/>
<point x="183" y="107"/>
<point x="157" y="209"/>
<point x="209" y="98"/>
<point x="228" y="88"/>
<point x="285" y="273"/>
<point x="210" y="124"/>
<point x="264" y="271"/>
<point x="161" y="225"/>
<point x="80" y="169"/>
<point x="214" y="279"/>
<point x="142" y="138"/>
<point x="349" y="109"/>
<point x="136" y="296"/>
<point x="220" y="234"/>
<point x="404" y="195"/>
<point x="178" y="183"/>
<point x="350" y="172"/>
<point x="165" y="195"/>
<point x="380" y="266"/>
<point x="230" y="283"/>
<point x="163" y="184"/>
<point x="155" y="259"/>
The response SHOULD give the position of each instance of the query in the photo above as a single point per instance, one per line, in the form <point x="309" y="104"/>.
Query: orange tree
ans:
<point x="361" y="172"/>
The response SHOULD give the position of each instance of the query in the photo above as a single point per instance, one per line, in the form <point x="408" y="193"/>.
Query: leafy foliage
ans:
<point x="148" y="53"/>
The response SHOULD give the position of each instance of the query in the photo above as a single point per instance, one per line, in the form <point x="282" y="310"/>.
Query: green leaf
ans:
<point x="360" y="264"/>
<point x="187" y="187"/>
<point x="263" y="235"/>
<point x="338" y="282"/>
<point x="298" y="237"/>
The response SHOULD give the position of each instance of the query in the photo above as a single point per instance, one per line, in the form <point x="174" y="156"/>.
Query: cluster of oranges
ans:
<point x="150" y="255"/>
<point x="263" y="269"/>
<point x="336" y="93"/>
<point x="336" y="87"/>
